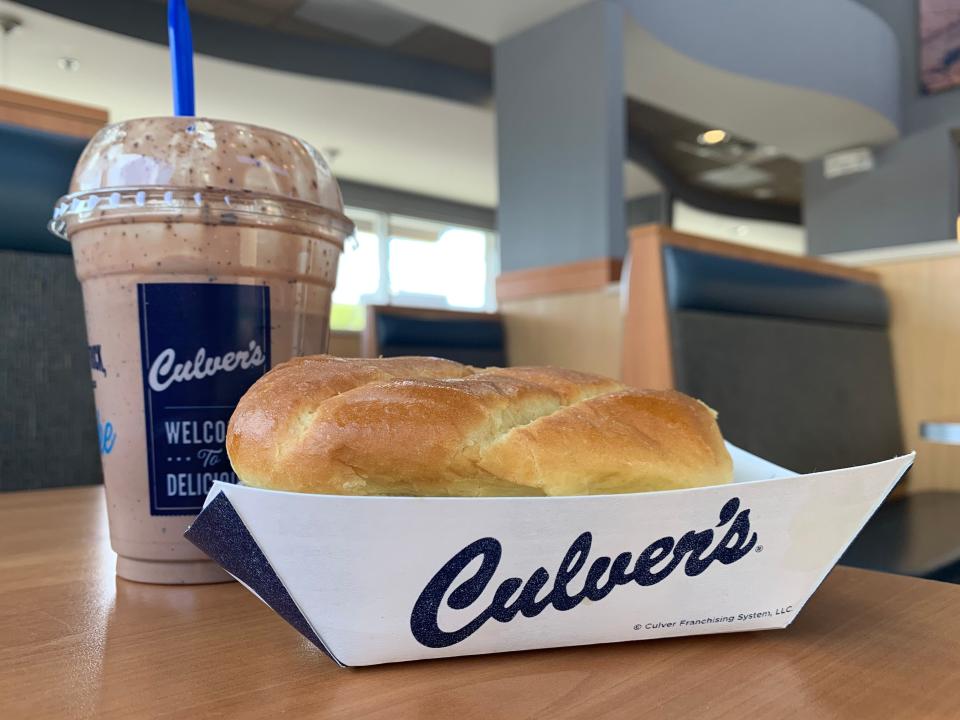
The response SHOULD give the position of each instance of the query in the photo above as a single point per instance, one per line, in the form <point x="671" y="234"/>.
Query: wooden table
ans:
<point x="77" y="642"/>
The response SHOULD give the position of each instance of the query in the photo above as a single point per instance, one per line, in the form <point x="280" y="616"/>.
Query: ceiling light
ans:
<point x="68" y="64"/>
<point x="713" y="137"/>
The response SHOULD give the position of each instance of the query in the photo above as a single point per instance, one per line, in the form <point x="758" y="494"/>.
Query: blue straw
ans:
<point x="181" y="57"/>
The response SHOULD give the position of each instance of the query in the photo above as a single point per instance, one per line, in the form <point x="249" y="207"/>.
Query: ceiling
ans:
<point x="394" y="23"/>
<point x="385" y="137"/>
<point x="760" y="164"/>
<point x="355" y="22"/>
<point x="406" y="140"/>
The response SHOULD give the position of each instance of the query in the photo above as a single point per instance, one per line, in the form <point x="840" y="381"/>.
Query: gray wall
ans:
<point x="560" y="139"/>
<point x="912" y="194"/>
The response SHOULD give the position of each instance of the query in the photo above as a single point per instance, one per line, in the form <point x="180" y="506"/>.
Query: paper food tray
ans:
<point x="382" y="579"/>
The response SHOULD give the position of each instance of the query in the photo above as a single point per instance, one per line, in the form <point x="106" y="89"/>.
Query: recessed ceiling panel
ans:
<point x="363" y="19"/>
<point x="488" y="20"/>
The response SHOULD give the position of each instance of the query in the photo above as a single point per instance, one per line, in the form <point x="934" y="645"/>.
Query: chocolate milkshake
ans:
<point x="207" y="252"/>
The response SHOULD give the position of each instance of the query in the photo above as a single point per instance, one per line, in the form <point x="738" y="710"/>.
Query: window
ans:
<point x="359" y="273"/>
<point x="409" y="261"/>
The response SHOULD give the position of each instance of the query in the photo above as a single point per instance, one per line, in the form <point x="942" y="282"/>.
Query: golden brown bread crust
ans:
<point x="425" y="426"/>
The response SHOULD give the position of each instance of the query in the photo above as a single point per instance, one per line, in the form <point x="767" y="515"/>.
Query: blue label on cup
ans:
<point x="202" y="346"/>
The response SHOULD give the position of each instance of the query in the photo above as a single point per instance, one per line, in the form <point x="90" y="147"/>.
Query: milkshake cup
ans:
<point x="207" y="252"/>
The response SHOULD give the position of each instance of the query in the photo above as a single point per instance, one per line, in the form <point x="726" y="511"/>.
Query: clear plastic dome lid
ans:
<point x="138" y="167"/>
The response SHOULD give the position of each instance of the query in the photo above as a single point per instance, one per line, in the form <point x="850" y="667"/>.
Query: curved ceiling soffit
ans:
<point x="773" y="72"/>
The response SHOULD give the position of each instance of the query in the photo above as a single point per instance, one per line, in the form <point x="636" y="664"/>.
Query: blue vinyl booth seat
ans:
<point x="34" y="174"/>
<point x="49" y="425"/>
<point x="470" y="338"/>
<point x="798" y="365"/>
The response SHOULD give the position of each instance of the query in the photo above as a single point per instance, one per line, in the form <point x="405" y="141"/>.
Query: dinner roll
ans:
<point x="426" y="426"/>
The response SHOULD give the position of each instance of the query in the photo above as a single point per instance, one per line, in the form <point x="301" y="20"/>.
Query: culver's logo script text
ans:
<point x="695" y="550"/>
<point x="165" y="370"/>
